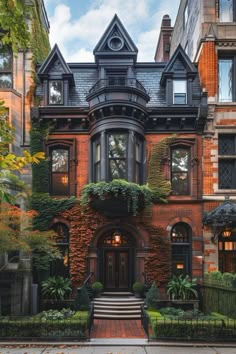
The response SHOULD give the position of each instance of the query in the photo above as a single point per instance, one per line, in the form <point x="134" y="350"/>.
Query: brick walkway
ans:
<point x="117" y="329"/>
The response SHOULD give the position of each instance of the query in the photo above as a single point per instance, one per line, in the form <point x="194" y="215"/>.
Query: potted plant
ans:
<point x="97" y="288"/>
<point x="138" y="289"/>
<point x="56" y="288"/>
<point x="182" y="288"/>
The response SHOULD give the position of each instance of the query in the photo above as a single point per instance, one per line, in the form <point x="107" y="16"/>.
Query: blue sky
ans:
<point x="77" y="25"/>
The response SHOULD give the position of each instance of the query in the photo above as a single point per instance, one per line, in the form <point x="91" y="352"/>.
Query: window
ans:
<point x="180" y="239"/>
<point x="117" y="148"/>
<point x="59" y="171"/>
<point x="227" y="10"/>
<point x="117" y="155"/>
<point x="227" y="161"/>
<point x="116" y="77"/>
<point x="56" y="92"/>
<point x="226" y="73"/>
<point x="185" y="16"/>
<point x="5" y="68"/>
<point x="61" y="266"/>
<point x="180" y="175"/>
<point x="179" y="92"/>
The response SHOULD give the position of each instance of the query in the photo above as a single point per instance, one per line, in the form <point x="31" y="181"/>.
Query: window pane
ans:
<point x="117" y="169"/>
<point x="180" y="171"/>
<point x="97" y="172"/>
<point x="225" y="80"/>
<point x="179" y="234"/>
<point x="180" y="160"/>
<point x="60" y="184"/>
<point x="60" y="160"/>
<point x="227" y="144"/>
<point x="226" y="173"/>
<point x="5" y="80"/>
<point x="226" y="10"/>
<point x="5" y="60"/>
<point x="55" y="92"/>
<point x="179" y="91"/>
<point x="98" y="153"/>
<point x="117" y="146"/>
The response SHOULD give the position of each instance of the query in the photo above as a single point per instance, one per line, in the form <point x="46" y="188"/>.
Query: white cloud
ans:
<point x="77" y="37"/>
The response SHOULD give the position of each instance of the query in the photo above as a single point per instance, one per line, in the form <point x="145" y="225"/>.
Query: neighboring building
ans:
<point x="104" y="121"/>
<point x="207" y="31"/>
<point x="16" y="89"/>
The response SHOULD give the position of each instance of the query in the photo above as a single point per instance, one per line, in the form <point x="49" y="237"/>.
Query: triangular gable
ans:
<point x="179" y="62"/>
<point x="55" y="64"/>
<point x="115" y="32"/>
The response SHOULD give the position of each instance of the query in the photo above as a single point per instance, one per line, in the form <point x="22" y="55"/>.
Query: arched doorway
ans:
<point x="116" y="252"/>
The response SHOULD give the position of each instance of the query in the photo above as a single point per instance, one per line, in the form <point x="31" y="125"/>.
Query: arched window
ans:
<point x="181" y="250"/>
<point x="61" y="266"/>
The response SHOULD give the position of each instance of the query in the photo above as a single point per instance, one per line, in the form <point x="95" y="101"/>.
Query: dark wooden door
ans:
<point x="116" y="270"/>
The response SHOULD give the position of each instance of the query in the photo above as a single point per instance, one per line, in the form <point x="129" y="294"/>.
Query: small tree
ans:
<point x="152" y="296"/>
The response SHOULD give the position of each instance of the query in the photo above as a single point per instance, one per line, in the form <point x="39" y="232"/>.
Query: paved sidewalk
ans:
<point x="92" y="348"/>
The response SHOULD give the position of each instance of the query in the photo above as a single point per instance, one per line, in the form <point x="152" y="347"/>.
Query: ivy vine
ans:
<point x="47" y="208"/>
<point x="157" y="181"/>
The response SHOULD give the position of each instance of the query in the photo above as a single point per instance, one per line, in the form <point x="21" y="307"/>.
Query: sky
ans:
<point x="77" y="25"/>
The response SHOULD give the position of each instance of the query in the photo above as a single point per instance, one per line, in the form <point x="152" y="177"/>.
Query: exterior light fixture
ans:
<point x="226" y="232"/>
<point x="117" y="238"/>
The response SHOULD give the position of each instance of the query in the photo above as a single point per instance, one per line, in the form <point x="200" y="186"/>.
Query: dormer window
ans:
<point x="179" y="92"/>
<point x="55" y="92"/>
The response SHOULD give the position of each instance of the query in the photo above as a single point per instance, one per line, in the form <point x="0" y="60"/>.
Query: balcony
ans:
<point x="118" y="90"/>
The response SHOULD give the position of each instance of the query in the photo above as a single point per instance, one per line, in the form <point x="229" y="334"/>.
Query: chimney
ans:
<point x="163" y="44"/>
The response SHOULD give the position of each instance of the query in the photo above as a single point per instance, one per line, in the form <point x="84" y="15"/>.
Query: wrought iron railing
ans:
<point x="145" y="321"/>
<point x="195" y="329"/>
<point x="35" y="328"/>
<point x="117" y="82"/>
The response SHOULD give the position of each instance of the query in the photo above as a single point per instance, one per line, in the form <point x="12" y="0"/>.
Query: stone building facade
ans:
<point x="207" y="31"/>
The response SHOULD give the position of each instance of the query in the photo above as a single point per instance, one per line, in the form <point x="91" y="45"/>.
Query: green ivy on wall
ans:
<point x="157" y="181"/>
<point x="48" y="208"/>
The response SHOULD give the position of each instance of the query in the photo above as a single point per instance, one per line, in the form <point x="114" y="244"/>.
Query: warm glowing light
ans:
<point x="226" y="232"/>
<point x="64" y="179"/>
<point x="180" y="266"/>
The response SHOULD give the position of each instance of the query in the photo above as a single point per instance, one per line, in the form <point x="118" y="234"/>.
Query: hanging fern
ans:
<point x="157" y="181"/>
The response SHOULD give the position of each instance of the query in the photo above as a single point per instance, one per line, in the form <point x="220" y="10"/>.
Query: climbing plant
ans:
<point x="157" y="181"/>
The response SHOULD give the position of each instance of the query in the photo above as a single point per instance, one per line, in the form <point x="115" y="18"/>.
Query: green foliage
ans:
<point x="82" y="301"/>
<point x="152" y="296"/>
<point x="181" y="288"/>
<point x="138" y="288"/>
<point x="216" y="276"/>
<point x="47" y="208"/>
<point x="97" y="288"/>
<point x="157" y="181"/>
<point x="56" y="288"/>
<point x="221" y="279"/>
<point x="56" y="315"/>
<point x="15" y="31"/>
<point x="138" y="197"/>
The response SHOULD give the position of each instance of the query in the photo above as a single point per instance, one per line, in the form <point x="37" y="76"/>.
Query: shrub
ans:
<point x="152" y="296"/>
<point x="181" y="288"/>
<point x="56" y="315"/>
<point x="138" y="288"/>
<point x="215" y="276"/>
<point x="82" y="301"/>
<point x="228" y="278"/>
<point x="56" y="288"/>
<point x="97" y="288"/>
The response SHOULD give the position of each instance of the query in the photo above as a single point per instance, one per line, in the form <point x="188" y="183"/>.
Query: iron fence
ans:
<point x="195" y="329"/>
<point x="145" y="321"/>
<point x="34" y="328"/>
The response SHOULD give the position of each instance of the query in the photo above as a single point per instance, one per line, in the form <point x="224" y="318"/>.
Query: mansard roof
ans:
<point x="115" y="42"/>
<point x="178" y="65"/>
<point x="55" y="64"/>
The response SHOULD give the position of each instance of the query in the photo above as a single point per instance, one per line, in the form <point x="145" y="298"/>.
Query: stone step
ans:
<point x="127" y="307"/>
<point x="116" y="293"/>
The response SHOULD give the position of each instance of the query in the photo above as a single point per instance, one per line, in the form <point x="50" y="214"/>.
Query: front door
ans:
<point x="116" y="270"/>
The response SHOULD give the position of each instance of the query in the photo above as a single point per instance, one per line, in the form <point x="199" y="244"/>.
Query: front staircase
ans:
<point x="117" y="306"/>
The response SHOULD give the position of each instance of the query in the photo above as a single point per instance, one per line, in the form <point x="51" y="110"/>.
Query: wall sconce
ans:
<point x="117" y="238"/>
<point x="226" y="232"/>
<point x="64" y="179"/>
